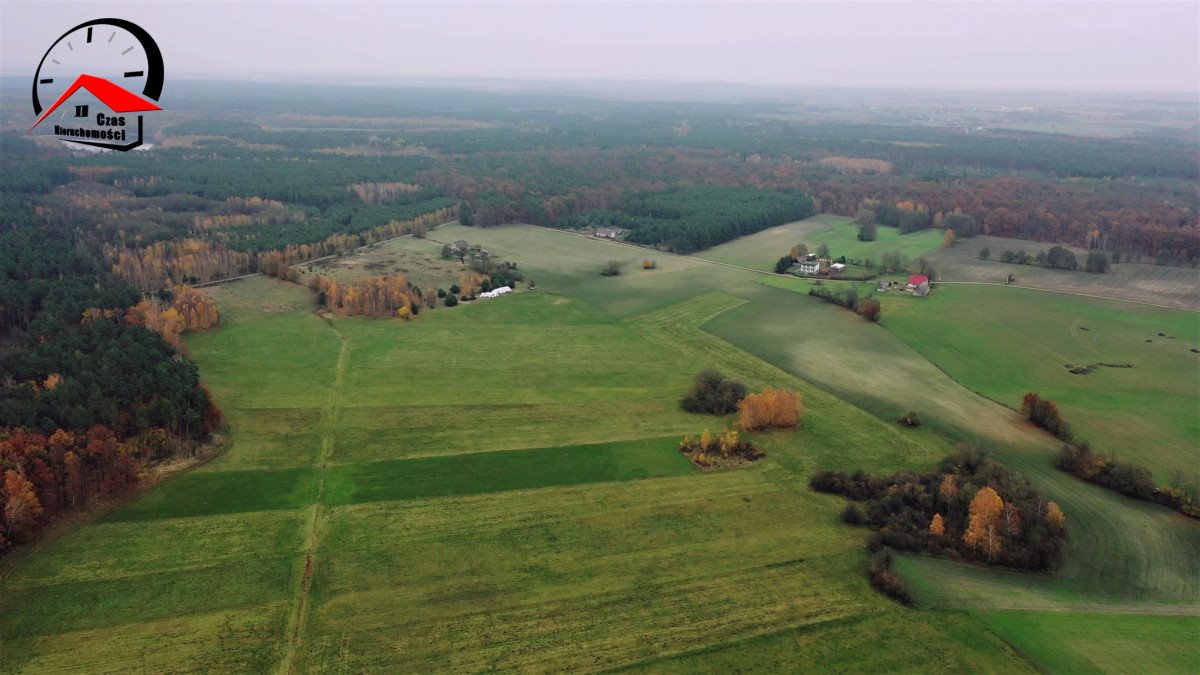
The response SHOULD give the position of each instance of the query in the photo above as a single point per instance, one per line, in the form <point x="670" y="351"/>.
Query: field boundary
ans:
<point x="297" y="623"/>
<point x="217" y="282"/>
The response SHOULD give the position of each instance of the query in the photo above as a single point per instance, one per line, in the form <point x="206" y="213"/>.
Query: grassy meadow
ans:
<point x="497" y="486"/>
<point x="1177" y="287"/>
<point x="761" y="250"/>
<point x="999" y="340"/>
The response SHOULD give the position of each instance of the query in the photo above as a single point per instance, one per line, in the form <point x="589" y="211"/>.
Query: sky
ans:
<point x="1070" y="46"/>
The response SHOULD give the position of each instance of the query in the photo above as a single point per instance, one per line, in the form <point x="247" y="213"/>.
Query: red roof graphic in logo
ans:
<point x="111" y="95"/>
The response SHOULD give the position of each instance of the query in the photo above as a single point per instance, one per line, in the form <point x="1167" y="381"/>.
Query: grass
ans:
<point x="482" y="472"/>
<point x="760" y="251"/>
<point x="496" y="486"/>
<point x="1072" y="642"/>
<point x="1177" y="287"/>
<point x="1145" y="414"/>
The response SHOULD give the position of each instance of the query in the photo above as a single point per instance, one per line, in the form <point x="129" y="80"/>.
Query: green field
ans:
<point x="760" y="251"/>
<point x="1177" y="287"/>
<point x="999" y="340"/>
<point x="496" y="486"/>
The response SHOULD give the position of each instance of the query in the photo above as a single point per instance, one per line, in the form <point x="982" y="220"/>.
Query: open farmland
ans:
<point x="1139" y="282"/>
<point x="761" y="250"/>
<point x="398" y="495"/>
<point x="340" y="554"/>
<point x="1145" y="413"/>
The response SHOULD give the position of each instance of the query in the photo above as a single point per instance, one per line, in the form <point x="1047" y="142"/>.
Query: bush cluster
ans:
<point x="868" y="307"/>
<point x="969" y="507"/>
<point x="714" y="394"/>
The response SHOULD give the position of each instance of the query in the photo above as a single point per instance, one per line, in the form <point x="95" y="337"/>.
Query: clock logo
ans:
<point x="109" y="69"/>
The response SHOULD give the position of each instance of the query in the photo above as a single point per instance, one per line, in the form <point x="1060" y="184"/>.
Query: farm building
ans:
<point x="810" y="264"/>
<point x="609" y="233"/>
<point x="883" y="285"/>
<point x="922" y="289"/>
<point x="915" y="280"/>
<point x="837" y="267"/>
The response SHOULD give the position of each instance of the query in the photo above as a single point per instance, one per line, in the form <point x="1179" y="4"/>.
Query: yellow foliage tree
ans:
<point x="729" y="441"/>
<point x="1054" y="515"/>
<point x="706" y="440"/>
<point x="983" y="527"/>
<point x="948" y="490"/>
<point x="948" y="240"/>
<point x="937" y="526"/>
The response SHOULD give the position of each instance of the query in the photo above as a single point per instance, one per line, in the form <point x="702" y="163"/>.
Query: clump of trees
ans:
<point x="708" y="451"/>
<point x="611" y="268"/>
<point x="1098" y="262"/>
<point x="773" y="408"/>
<point x="1044" y="414"/>
<point x="970" y="507"/>
<point x="865" y="219"/>
<point x="867" y="307"/>
<point x="44" y="475"/>
<point x="388" y="296"/>
<point x="1131" y="480"/>
<point x="1056" y="257"/>
<point x="714" y="394"/>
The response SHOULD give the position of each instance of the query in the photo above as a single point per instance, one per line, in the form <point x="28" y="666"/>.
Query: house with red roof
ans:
<point x="918" y="284"/>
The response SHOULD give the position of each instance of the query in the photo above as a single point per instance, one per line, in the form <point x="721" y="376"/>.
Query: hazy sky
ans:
<point x="1065" y="45"/>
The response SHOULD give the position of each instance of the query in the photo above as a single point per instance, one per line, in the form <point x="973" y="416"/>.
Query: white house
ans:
<point x="837" y="267"/>
<point x="810" y="264"/>
<point x="609" y="234"/>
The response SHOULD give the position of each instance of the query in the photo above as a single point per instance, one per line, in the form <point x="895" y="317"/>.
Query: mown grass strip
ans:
<point x="482" y="472"/>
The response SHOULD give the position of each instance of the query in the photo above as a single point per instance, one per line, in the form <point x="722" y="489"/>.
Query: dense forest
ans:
<point x="694" y="218"/>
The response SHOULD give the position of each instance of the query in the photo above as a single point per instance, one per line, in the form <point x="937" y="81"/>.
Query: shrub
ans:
<point x="611" y="268"/>
<point x="648" y="264"/>
<point x="780" y="408"/>
<point x="783" y="264"/>
<point x="455" y="289"/>
<point x="1044" y="414"/>
<point x="885" y="580"/>
<point x="713" y="394"/>
<point x="985" y="253"/>
<point x="441" y="292"/>
<point x="451" y="300"/>
<point x="853" y="514"/>
<point x="910" y="419"/>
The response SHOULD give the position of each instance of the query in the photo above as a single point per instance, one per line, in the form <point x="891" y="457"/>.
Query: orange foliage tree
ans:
<point x="937" y="526"/>
<point x="772" y="408"/>
<point x="983" y="528"/>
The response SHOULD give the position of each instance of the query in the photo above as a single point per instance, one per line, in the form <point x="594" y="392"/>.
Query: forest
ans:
<point x="684" y="220"/>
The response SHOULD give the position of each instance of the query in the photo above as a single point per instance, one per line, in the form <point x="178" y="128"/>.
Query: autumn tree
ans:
<point x="937" y="526"/>
<point x="21" y="506"/>
<point x="948" y="240"/>
<point x="983" y="528"/>
<point x="948" y="489"/>
<point x="779" y="408"/>
<point x="1055" y="516"/>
